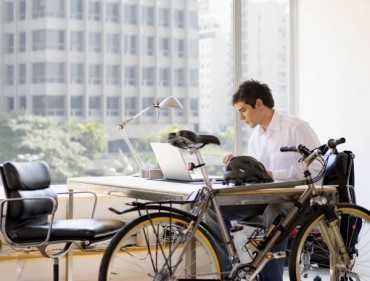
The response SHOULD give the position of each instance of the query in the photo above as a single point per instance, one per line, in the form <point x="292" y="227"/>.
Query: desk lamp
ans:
<point x="169" y="102"/>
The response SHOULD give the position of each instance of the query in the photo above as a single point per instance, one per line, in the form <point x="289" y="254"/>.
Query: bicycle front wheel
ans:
<point x="151" y="248"/>
<point x="310" y="259"/>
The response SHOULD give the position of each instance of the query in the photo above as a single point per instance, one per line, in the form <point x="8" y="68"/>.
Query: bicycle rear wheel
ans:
<point x="142" y="251"/>
<point x="309" y="257"/>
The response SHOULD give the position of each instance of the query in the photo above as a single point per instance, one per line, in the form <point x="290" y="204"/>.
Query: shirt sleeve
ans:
<point x="300" y="134"/>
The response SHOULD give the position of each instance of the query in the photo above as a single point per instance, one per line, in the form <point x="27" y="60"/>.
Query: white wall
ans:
<point x="334" y="77"/>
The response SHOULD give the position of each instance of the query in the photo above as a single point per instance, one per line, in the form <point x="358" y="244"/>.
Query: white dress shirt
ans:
<point x="283" y="131"/>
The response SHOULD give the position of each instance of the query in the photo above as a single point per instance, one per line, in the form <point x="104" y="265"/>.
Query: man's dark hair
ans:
<point x="251" y="90"/>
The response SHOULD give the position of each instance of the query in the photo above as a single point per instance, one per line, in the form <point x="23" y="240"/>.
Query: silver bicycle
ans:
<point x="170" y="240"/>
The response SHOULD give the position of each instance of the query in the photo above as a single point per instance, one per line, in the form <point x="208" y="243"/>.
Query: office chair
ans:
<point x="27" y="214"/>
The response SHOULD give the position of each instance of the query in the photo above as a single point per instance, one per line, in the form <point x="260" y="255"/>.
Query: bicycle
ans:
<point x="167" y="242"/>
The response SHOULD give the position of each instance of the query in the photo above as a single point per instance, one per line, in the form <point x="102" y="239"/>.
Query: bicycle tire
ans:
<point x="135" y="255"/>
<point x="309" y="257"/>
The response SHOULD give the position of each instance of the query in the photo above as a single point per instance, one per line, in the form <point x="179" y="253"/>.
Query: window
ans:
<point x="143" y="49"/>
<point x="22" y="72"/>
<point x="131" y="75"/>
<point x="77" y="73"/>
<point x="130" y="106"/>
<point x="48" y="105"/>
<point x="77" y="41"/>
<point x="194" y="78"/>
<point x="148" y="46"/>
<point x="180" y="77"/>
<point x="48" y="73"/>
<point x="163" y="17"/>
<point x="22" y="42"/>
<point x="47" y="8"/>
<point x="180" y="47"/>
<point x="112" y="106"/>
<point x="22" y="102"/>
<point x="95" y="42"/>
<point x="148" y="76"/>
<point x="130" y="14"/>
<point x="113" y="74"/>
<point x="147" y="16"/>
<point x="55" y="106"/>
<point x="164" y="46"/>
<point x="130" y="44"/>
<point x="94" y="11"/>
<point x="164" y="77"/>
<point x="112" y="10"/>
<point x="76" y="106"/>
<point x="76" y="7"/>
<point x="22" y="9"/>
<point x="113" y="45"/>
<point x="9" y="104"/>
<point x="47" y="40"/>
<point x="9" y="12"/>
<point x="9" y="43"/>
<point x="9" y="74"/>
<point x="95" y="74"/>
<point x="179" y="19"/>
<point x="194" y="107"/>
<point x="94" y="105"/>
<point x="265" y="59"/>
<point x="148" y="102"/>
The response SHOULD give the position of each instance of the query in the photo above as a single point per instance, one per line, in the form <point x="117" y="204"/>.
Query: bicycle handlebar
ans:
<point x="298" y="148"/>
<point x="332" y="143"/>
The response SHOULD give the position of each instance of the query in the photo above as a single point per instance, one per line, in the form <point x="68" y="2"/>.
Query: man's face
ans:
<point x="251" y="116"/>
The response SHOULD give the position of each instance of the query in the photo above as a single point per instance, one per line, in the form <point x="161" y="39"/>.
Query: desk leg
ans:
<point x="69" y="257"/>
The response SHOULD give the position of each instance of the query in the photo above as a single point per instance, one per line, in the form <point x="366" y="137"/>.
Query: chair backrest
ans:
<point x="340" y="171"/>
<point x="27" y="180"/>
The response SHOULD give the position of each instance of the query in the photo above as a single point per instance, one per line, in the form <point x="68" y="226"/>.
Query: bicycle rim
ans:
<point x="310" y="258"/>
<point x="142" y="251"/>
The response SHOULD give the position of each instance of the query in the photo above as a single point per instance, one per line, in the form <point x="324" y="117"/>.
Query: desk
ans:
<point x="153" y="190"/>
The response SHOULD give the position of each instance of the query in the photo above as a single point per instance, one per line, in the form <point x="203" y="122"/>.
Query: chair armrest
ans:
<point x="7" y="239"/>
<point x="82" y="192"/>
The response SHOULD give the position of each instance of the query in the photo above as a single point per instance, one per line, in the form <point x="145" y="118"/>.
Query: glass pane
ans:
<point x="266" y="50"/>
<point x="130" y="54"/>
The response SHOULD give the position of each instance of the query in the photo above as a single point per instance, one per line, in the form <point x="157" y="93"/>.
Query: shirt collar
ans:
<point x="274" y="124"/>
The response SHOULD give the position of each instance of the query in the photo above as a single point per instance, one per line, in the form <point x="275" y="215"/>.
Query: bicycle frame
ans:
<point x="207" y="195"/>
<point x="309" y="196"/>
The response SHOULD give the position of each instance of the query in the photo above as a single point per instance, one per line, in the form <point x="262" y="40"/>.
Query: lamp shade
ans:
<point x="170" y="102"/>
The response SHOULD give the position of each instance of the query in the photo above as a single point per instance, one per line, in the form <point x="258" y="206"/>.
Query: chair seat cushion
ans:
<point x="69" y="230"/>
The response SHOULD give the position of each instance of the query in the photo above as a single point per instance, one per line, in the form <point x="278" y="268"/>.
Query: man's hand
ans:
<point x="270" y="174"/>
<point x="227" y="158"/>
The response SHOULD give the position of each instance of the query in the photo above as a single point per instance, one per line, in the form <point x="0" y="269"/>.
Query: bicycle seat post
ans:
<point x="201" y="165"/>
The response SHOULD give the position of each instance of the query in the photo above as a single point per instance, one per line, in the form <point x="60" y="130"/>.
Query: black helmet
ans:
<point x="245" y="169"/>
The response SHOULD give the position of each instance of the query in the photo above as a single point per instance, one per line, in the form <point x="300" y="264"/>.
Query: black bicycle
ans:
<point x="171" y="241"/>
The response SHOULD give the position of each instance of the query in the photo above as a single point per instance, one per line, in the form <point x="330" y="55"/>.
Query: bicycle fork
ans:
<point x="334" y="240"/>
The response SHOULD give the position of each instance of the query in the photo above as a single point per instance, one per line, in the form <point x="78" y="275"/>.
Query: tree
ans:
<point x="26" y="137"/>
<point x="90" y="134"/>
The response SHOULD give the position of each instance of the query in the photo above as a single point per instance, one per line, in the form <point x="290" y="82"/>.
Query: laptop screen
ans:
<point x="172" y="162"/>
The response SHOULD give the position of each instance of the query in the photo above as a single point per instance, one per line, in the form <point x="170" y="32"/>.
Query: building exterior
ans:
<point x="106" y="60"/>
<point x="101" y="60"/>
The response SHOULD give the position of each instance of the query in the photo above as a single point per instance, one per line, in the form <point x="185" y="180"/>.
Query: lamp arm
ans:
<point x="124" y="123"/>
<point x="131" y="148"/>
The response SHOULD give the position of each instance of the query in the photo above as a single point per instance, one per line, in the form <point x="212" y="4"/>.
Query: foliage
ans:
<point x="90" y="134"/>
<point x="28" y="137"/>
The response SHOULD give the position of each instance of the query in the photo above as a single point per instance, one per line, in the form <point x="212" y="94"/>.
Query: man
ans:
<point x="255" y="104"/>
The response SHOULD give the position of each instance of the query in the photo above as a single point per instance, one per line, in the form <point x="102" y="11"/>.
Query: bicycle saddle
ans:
<point x="187" y="139"/>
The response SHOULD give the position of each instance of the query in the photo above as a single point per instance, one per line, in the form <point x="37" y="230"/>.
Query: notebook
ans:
<point x="173" y="162"/>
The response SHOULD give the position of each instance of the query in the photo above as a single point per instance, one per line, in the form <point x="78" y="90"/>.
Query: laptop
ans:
<point x="173" y="162"/>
